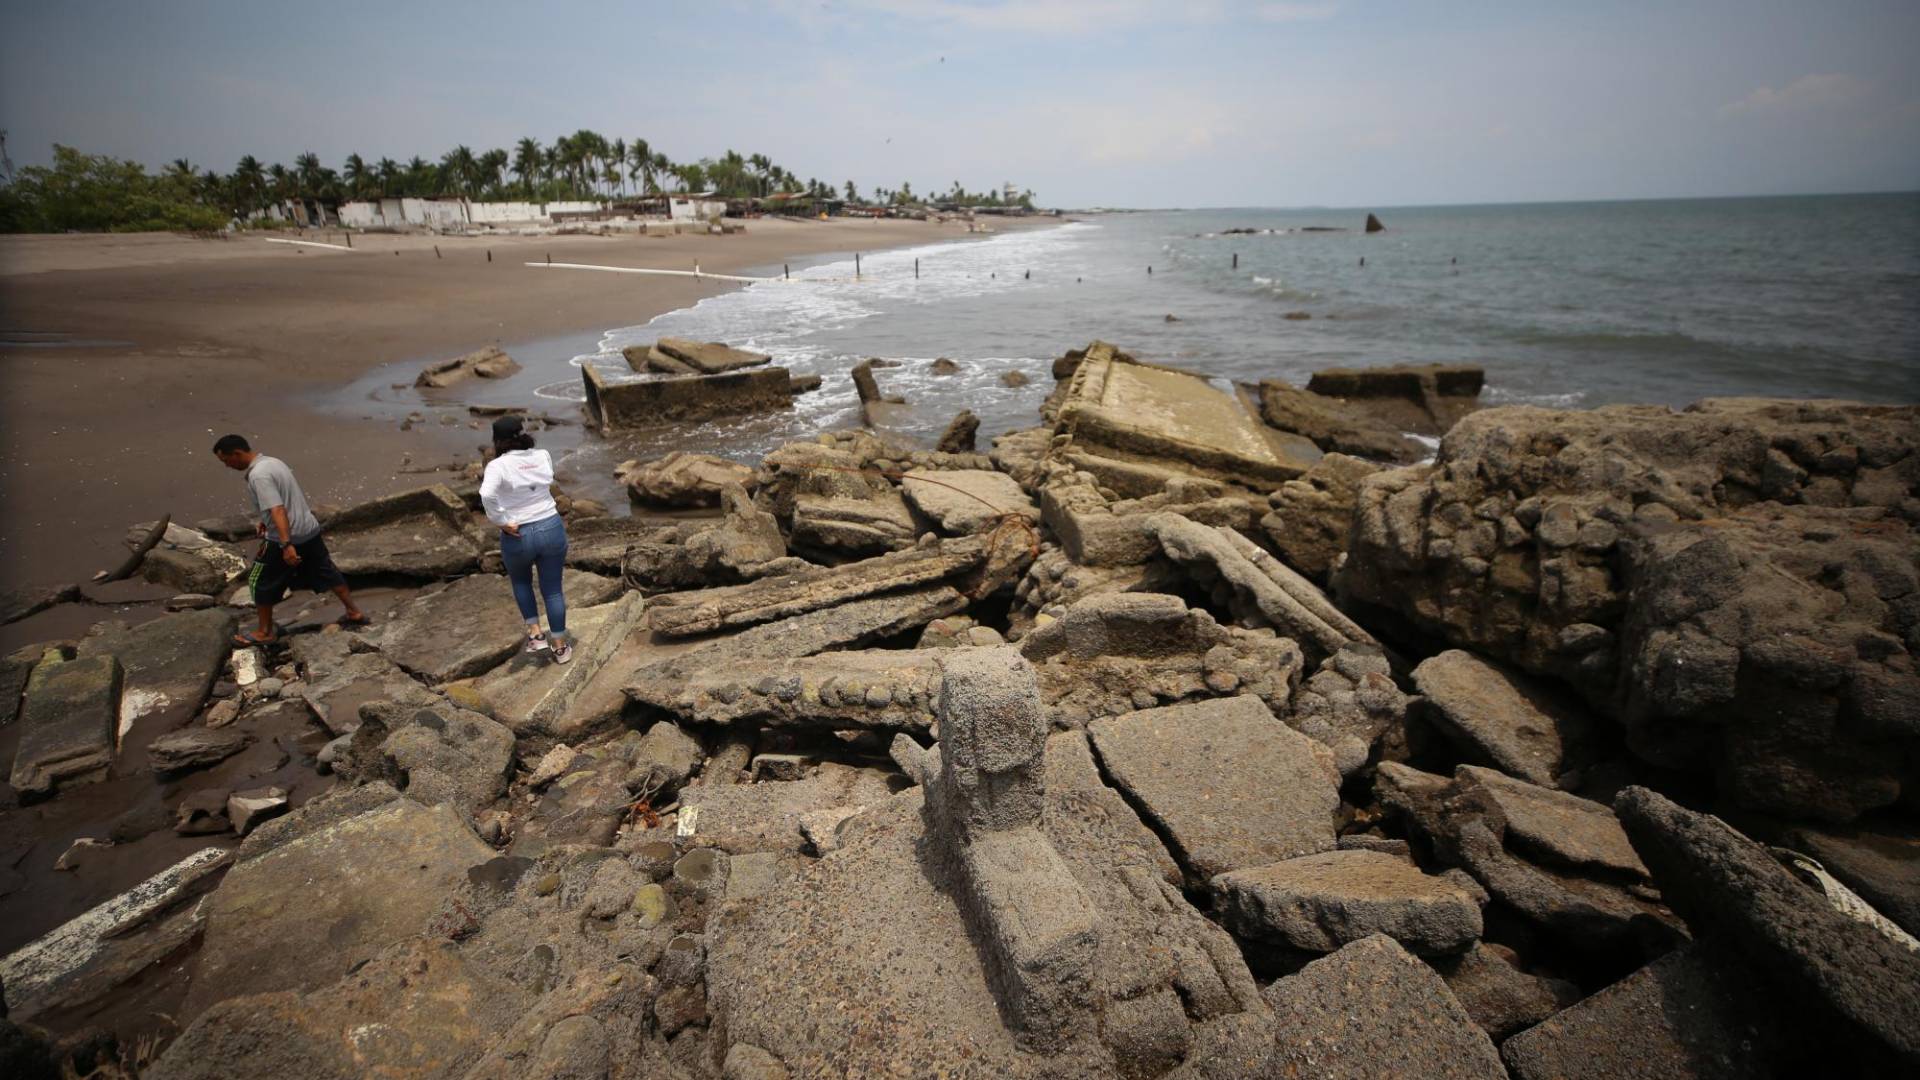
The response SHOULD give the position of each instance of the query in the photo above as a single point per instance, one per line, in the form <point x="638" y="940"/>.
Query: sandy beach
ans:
<point x="126" y="355"/>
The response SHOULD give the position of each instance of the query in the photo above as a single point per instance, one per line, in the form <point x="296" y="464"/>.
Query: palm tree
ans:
<point x="640" y="162"/>
<point x="279" y="182"/>
<point x="419" y="178"/>
<point x="661" y="165"/>
<point x="617" y="164"/>
<point x="853" y="194"/>
<point x="457" y="168"/>
<point x="388" y="173"/>
<point x="527" y="162"/>
<point x="492" y="169"/>
<point x="359" y="177"/>
<point x="308" y="167"/>
<point x="250" y="183"/>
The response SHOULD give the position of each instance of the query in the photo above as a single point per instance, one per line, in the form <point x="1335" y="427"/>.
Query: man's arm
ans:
<point x="284" y="533"/>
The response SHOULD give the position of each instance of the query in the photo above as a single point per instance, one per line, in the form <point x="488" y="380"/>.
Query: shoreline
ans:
<point x="125" y="355"/>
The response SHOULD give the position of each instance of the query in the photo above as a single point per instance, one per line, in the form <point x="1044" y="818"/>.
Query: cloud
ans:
<point x="1809" y="93"/>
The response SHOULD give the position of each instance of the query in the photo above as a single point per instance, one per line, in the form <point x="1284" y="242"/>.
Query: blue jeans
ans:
<point x="542" y="546"/>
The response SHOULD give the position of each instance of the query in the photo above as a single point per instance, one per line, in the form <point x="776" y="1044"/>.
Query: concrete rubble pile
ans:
<point x="1158" y="742"/>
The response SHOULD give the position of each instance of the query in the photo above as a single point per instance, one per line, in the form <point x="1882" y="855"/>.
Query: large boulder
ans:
<point x="968" y="500"/>
<point x="1333" y="425"/>
<point x="1502" y="718"/>
<point x="435" y="755"/>
<point x="1708" y="578"/>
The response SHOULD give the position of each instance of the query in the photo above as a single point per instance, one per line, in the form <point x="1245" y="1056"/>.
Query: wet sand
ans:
<point x="123" y="357"/>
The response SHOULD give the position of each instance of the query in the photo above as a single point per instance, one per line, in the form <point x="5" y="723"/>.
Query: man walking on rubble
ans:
<point x="291" y="552"/>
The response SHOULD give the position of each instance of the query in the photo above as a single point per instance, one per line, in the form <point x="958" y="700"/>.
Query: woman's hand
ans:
<point x="511" y="530"/>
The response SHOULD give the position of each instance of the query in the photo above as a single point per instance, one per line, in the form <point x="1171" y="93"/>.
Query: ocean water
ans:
<point x="1569" y="305"/>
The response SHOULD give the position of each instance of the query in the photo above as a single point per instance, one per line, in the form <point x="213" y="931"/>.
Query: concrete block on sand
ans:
<point x="1373" y="1010"/>
<point x="1228" y="785"/>
<point x="170" y="664"/>
<point x="685" y="397"/>
<point x="471" y="625"/>
<point x="487" y="363"/>
<point x="1503" y="718"/>
<point x="69" y="722"/>
<point x="1318" y="903"/>
<point x="307" y="912"/>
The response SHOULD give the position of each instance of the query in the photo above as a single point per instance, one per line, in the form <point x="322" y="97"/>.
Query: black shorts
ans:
<point x="271" y="577"/>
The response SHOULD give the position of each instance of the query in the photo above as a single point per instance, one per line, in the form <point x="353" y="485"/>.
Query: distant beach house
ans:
<point x="696" y="206"/>
<point x="452" y="213"/>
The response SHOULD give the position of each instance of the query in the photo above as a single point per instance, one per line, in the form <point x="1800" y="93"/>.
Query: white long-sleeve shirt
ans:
<point x="516" y="488"/>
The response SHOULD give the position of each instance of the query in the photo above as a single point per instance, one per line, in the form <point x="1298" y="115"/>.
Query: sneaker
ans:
<point x="536" y="642"/>
<point x="562" y="653"/>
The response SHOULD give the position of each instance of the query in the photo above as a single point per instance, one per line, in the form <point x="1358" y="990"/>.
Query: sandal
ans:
<point x="251" y="639"/>
<point x="348" y="622"/>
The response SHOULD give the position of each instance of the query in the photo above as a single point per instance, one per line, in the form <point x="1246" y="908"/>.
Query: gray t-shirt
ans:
<point x="269" y="484"/>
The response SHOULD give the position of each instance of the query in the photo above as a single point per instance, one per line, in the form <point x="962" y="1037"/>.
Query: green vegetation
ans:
<point x="96" y="192"/>
<point x="99" y="193"/>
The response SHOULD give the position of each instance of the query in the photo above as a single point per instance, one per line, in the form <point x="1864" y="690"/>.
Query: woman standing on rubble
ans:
<point x="517" y="495"/>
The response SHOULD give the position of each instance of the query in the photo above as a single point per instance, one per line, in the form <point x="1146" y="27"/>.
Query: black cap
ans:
<point x="506" y="427"/>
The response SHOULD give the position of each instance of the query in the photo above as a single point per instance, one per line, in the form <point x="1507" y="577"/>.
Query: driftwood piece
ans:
<point x="139" y="554"/>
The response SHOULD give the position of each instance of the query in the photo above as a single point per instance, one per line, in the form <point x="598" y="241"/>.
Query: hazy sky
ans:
<point x="1087" y="102"/>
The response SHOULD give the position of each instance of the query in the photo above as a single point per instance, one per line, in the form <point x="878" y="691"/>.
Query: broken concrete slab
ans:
<point x="438" y="754"/>
<point x="247" y="809"/>
<point x="681" y="479"/>
<point x="69" y="723"/>
<point x="1333" y="425"/>
<point x="742" y="818"/>
<point x="1503" y="718"/>
<point x="1500" y="997"/>
<point x="710" y="357"/>
<point x="1227" y="784"/>
<point x="385" y="873"/>
<point x="169" y="663"/>
<point x="1319" y="903"/>
<point x="684" y="397"/>
<point x="879" y="522"/>
<point x="1834" y="970"/>
<point x="1426" y="399"/>
<point x="743" y="544"/>
<point x="532" y="695"/>
<point x="841" y="691"/>
<point x="487" y="363"/>
<point x="422" y="533"/>
<point x="845" y="626"/>
<point x="1115" y="406"/>
<point x="1313" y="514"/>
<point x="470" y="626"/>
<point x="17" y="604"/>
<point x="708" y="610"/>
<point x="1678" y="1017"/>
<point x="1096" y="531"/>
<point x="111" y="943"/>
<point x="1569" y="876"/>
<point x="194" y="747"/>
<point x="1554" y="825"/>
<point x="187" y="559"/>
<point x="645" y="358"/>
<point x="965" y="501"/>
<point x="1372" y="1010"/>
<point x="1259" y="585"/>
<point x="338" y="681"/>
<point x="1113" y="653"/>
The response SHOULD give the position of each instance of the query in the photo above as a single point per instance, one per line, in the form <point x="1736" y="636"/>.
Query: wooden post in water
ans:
<point x="856" y="266"/>
<point x="349" y="239"/>
<point x="916" y="269"/>
<point x="436" y="251"/>
<point x="786" y="272"/>
<point x="1236" y="260"/>
<point x="489" y="256"/>
<point x="549" y="258"/>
